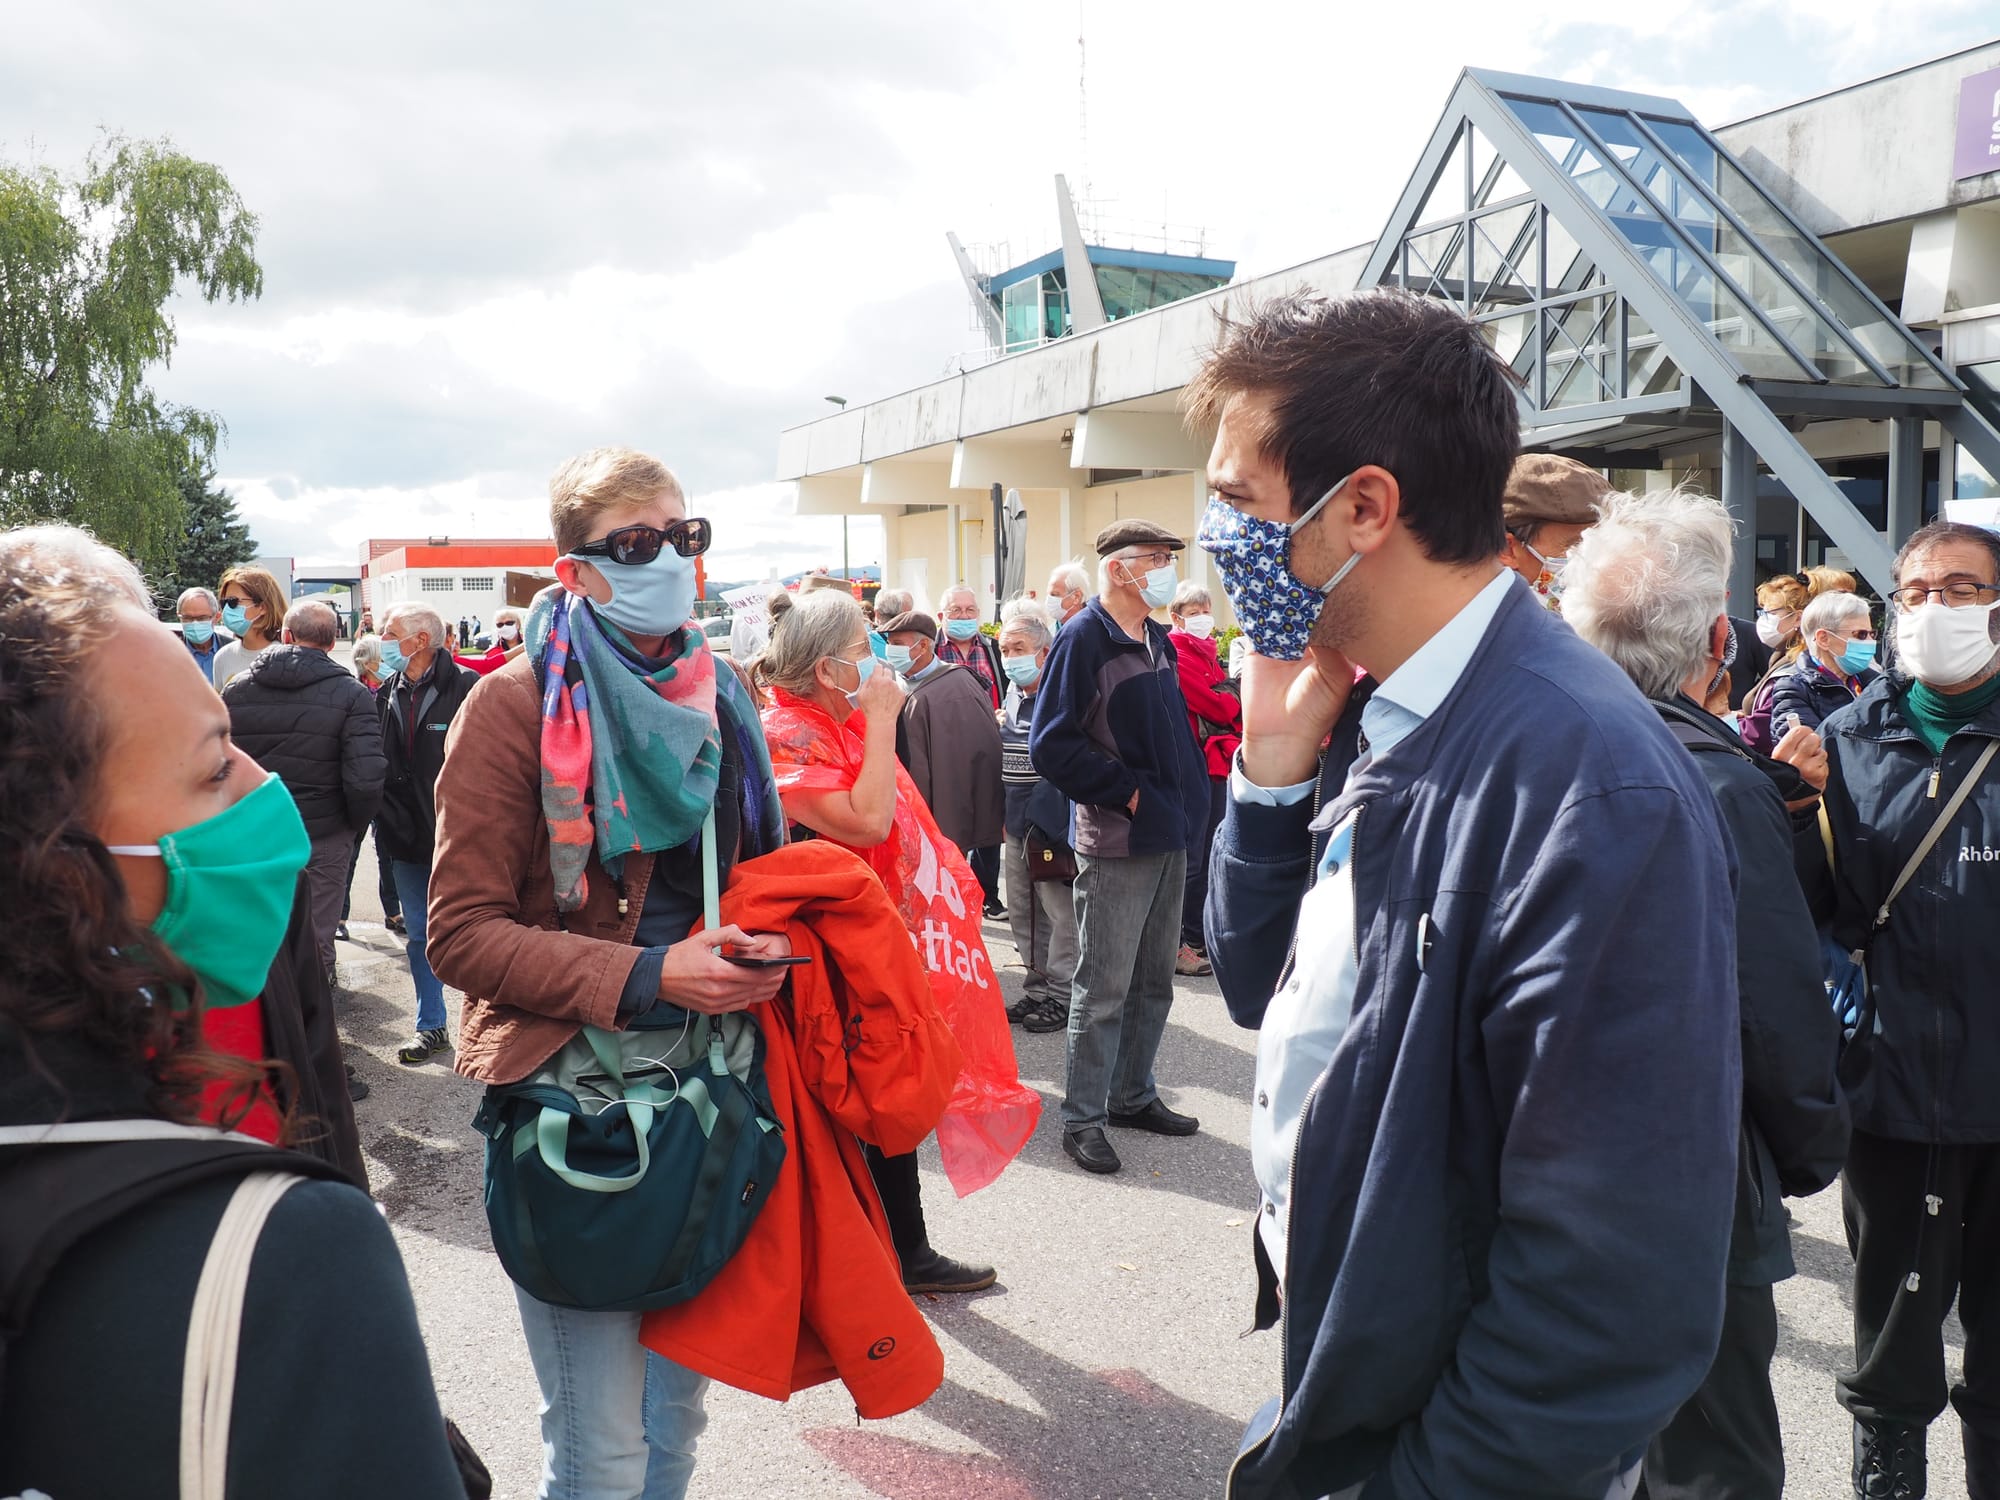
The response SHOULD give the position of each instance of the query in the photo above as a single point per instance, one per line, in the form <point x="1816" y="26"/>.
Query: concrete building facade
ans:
<point x="1840" y="346"/>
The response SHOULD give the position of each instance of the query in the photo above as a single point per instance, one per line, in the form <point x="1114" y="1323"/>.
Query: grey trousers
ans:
<point x="1128" y="927"/>
<point x="326" y="878"/>
<point x="1042" y="917"/>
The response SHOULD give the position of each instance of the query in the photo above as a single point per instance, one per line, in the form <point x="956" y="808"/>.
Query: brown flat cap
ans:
<point x="1543" y="487"/>
<point x="911" y="619"/>
<point x="1136" y="533"/>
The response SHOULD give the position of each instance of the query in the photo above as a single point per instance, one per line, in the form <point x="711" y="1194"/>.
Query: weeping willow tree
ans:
<point x="87" y="267"/>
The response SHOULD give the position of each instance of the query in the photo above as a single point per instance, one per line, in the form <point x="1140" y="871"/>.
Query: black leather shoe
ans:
<point x="1889" y="1461"/>
<point x="940" y="1273"/>
<point x="1090" y="1149"/>
<point x="1157" y="1118"/>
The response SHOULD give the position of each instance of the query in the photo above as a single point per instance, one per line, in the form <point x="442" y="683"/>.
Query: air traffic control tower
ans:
<point x="1079" y="286"/>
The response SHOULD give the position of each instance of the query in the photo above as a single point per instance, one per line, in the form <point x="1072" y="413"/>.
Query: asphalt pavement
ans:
<point x="1112" y="1358"/>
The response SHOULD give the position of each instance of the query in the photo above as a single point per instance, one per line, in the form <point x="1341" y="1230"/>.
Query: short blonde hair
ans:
<point x="604" y="479"/>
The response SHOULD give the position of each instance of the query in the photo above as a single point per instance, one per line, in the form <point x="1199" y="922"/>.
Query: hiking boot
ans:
<point x="1889" y="1461"/>
<point x="356" y="1089"/>
<point x="425" y="1043"/>
<point x="1018" y="1011"/>
<point x="1191" y="963"/>
<point x="932" y="1272"/>
<point x="1046" y="1015"/>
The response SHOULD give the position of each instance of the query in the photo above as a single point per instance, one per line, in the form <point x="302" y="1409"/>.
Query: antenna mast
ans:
<point x="1083" y="113"/>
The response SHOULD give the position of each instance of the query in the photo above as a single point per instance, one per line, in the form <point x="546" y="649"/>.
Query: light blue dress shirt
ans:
<point x="1308" y="1016"/>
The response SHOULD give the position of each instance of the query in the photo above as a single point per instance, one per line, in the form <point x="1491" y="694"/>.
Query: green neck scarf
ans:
<point x="1935" y="715"/>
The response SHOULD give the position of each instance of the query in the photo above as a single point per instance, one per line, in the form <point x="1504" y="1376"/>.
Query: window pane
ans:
<point x="1447" y="195"/>
<point x="1503" y="258"/>
<point x="1827" y="281"/>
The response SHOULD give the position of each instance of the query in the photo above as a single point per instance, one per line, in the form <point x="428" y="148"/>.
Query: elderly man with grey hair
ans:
<point x="300" y="714"/>
<point x="1647" y="586"/>
<point x="417" y="704"/>
<point x="890" y="603"/>
<point x="1036" y="857"/>
<point x="201" y="628"/>
<point x="1069" y="592"/>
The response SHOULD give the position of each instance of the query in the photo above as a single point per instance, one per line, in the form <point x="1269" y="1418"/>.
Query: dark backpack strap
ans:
<point x="59" y="1194"/>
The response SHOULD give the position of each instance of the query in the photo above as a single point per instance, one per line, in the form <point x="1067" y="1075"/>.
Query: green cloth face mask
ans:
<point x="230" y="880"/>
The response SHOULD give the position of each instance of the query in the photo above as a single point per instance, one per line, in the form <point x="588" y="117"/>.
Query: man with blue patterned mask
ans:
<point x="1435" y="896"/>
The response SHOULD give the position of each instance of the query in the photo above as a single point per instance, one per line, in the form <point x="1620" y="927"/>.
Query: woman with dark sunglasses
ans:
<point x="584" y="783"/>
<point x="253" y="610"/>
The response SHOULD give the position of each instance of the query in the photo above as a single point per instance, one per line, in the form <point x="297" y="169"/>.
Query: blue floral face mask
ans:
<point x="1254" y="556"/>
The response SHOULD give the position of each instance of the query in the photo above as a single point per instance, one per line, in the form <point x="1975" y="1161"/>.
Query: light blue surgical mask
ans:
<point x="898" y="657"/>
<point x="863" y="670"/>
<point x="198" y="632"/>
<point x="651" y="598"/>
<point x="234" y="619"/>
<point x="1021" y="670"/>
<point x="393" y="659"/>
<point x="961" y="630"/>
<point x="878" y="643"/>
<point x="1158" y="590"/>
<point x="1857" y="658"/>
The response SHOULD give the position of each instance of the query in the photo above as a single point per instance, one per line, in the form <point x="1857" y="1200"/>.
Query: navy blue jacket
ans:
<point x="1810" y="691"/>
<point x="1109" y="721"/>
<point x="1795" y="1123"/>
<point x="1936" y="1052"/>
<point x="1513" y="1184"/>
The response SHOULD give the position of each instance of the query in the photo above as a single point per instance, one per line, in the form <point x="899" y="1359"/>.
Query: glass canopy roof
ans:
<point x="1551" y="211"/>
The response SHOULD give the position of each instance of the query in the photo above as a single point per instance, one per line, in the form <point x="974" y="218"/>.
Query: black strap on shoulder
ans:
<point x="57" y="1195"/>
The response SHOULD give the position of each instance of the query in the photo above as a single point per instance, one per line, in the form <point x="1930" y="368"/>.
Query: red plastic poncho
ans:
<point x="992" y="1113"/>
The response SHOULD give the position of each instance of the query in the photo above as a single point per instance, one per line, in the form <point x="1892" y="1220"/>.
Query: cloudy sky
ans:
<point x="494" y="234"/>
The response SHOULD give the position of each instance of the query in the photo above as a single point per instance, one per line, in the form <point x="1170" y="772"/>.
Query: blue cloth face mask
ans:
<point x="234" y="620"/>
<point x="651" y="598"/>
<point x="1021" y="670"/>
<point x="961" y="630"/>
<point x="898" y="657"/>
<point x="1857" y="658"/>
<point x="1254" y="556"/>
<point x="198" y="632"/>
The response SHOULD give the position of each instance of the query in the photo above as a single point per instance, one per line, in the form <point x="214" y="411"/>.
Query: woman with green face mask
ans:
<point x="148" y="871"/>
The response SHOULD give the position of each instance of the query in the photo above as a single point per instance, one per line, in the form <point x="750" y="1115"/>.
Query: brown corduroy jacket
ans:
<point x="531" y="980"/>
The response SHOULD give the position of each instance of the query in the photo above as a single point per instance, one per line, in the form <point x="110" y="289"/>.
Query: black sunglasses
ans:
<point x="239" y="603"/>
<point x="641" y="544"/>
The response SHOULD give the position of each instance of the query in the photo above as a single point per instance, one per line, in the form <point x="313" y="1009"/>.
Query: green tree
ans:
<point x="87" y="266"/>
<point x="212" y="541"/>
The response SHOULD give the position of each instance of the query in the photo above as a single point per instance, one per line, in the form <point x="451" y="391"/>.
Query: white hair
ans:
<point x="1647" y="583"/>
<point x="198" y="592"/>
<point x="971" y="594"/>
<point x="892" y="602"/>
<point x="66" y="560"/>
<point x="1069" y="577"/>
<point x="421" y="617"/>
<point x="1030" y="624"/>
<point x="1831" y="612"/>
<point x="1189" y="592"/>
<point x="1104" y="583"/>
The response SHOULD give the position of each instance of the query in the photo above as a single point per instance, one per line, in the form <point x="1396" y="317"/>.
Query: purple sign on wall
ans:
<point x="1978" y="126"/>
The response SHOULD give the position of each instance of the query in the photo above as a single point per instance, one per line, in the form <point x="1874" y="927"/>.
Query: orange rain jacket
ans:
<point x="854" y="1047"/>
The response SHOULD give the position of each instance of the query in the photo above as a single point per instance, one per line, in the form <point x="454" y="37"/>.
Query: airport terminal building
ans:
<point x="1799" y="312"/>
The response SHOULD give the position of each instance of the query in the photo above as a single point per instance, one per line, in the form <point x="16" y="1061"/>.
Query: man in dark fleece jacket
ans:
<point x="1111" y="734"/>
<point x="1647" y="586"/>
<point x="1498" y="1091"/>
<point x="301" y="714"/>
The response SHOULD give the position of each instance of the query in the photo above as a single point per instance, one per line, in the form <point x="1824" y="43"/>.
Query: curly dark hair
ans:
<point x="73" y="961"/>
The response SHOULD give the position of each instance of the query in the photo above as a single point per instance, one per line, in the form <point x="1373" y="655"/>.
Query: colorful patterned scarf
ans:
<point x="631" y="753"/>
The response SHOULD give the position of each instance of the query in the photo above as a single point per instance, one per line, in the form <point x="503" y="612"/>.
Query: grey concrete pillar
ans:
<point x="1906" y="478"/>
<point x="1739" y="494"/>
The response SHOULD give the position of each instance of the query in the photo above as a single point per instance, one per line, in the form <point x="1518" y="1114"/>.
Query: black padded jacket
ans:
<point x="300" y="713"/>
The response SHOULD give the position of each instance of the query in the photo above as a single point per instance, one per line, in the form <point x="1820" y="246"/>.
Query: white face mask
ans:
<point x="1943" y="646"/>
<point x="1770" y="627"/>
<point x="1199" y="625"/>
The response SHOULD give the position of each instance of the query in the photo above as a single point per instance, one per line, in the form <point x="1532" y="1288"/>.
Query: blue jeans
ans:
<point x="413" y="887"/>
<point x="618" y="1421"/>
<point x="1128" y="930"/>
